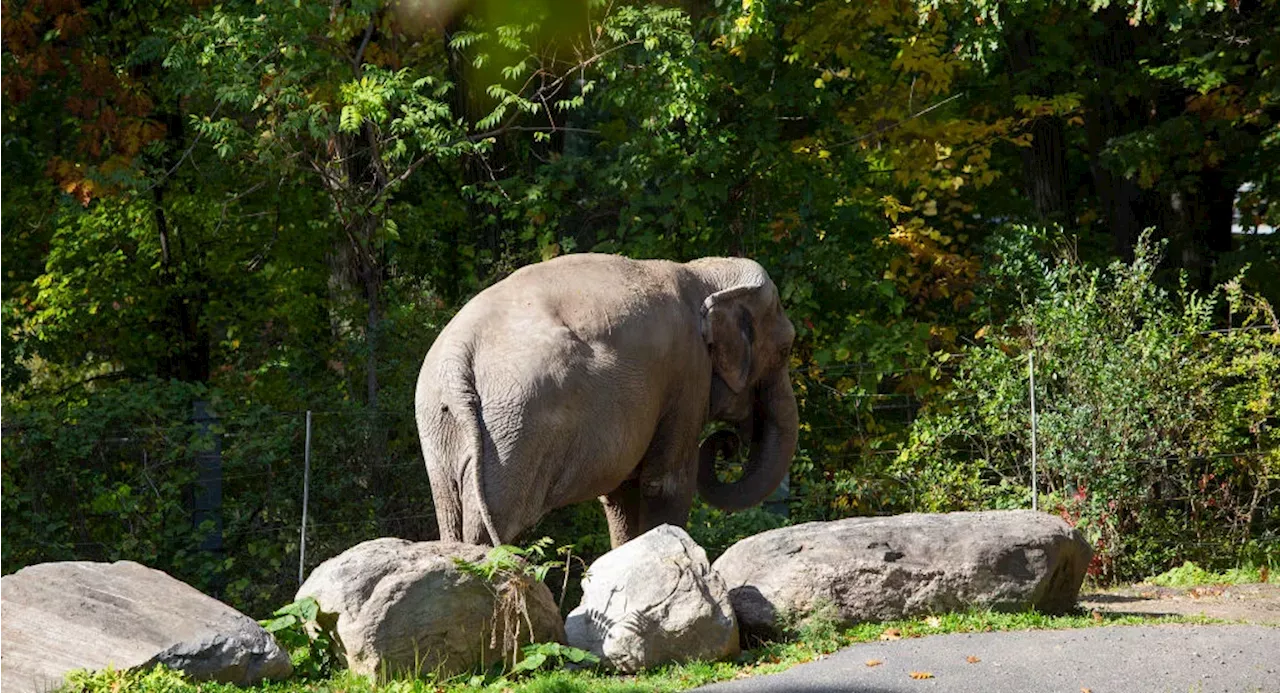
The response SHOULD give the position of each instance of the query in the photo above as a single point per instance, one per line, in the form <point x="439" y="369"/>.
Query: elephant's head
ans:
<point x="749" y="341"/>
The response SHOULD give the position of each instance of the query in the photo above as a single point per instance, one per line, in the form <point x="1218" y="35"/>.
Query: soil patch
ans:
<point x="1251" y="603"/>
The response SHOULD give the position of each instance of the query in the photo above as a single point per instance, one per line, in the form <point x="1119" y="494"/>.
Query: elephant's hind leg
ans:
<point x="623" y="508"/>
<point x="444" y="493"/>
<point x="441" y="440"/>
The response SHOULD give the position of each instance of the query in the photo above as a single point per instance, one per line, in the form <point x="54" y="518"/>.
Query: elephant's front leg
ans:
<point x="636" y="507"/>
<point x="661" y="489"/>
<point x="667" y="478"/>
<point x="667" y="491"/>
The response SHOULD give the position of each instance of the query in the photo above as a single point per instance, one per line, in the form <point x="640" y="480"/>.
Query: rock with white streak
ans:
<point x="652" y="601"/>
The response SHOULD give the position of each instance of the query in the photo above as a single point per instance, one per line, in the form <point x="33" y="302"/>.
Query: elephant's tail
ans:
<point x="469" y="418"/>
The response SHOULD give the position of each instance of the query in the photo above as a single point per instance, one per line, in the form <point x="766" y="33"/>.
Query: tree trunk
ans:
<point x="1044" y="163"/>
<point x="190" y="359"/>
<point x="380" y="486"/>
<point x="1198" y="221"/>
<point x="1045" y="166"/>
<point x="1125" y="206"/>
<point x="371" y="277"/>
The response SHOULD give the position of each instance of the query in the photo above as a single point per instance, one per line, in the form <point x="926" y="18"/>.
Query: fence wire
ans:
<point x="367" y="478"/>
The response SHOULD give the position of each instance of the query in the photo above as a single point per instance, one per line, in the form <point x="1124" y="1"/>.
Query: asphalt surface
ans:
<point x="1127" y="659"/>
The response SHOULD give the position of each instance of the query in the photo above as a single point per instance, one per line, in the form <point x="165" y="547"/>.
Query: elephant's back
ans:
<point x="571" y="358"/>
<point x="574" y="283"/>
<point x="552" y="308"/>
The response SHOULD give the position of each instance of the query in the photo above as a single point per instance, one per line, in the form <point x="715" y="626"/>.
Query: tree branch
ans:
<point x="357" y="63"/>
<point x="890" y="126"/>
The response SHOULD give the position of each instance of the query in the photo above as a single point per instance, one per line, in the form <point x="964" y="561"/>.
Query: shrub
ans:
<point x="1156" y="433"/>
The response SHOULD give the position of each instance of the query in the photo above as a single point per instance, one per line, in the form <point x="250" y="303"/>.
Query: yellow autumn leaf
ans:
<point x="919" y="675"/>
<point x="891" y="634"/>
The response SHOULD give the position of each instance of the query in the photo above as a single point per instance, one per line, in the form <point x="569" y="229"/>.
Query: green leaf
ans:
<point x="278" y="624"/>
<point x="530" y="663"/>
<point x="578" y="656"/>
<point x="350" y="119"/>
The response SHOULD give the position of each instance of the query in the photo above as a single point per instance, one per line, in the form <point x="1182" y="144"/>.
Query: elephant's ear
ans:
<point x="728" y="330"/>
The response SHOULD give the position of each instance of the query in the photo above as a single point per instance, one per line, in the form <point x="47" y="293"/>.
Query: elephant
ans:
<point x="593" y="376"/>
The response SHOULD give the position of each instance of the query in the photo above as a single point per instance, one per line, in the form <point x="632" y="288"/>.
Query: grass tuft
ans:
<point x="1191" y="575"/>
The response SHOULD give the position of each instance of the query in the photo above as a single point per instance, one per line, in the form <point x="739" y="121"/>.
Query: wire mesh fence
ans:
<point x="133" y="492"/>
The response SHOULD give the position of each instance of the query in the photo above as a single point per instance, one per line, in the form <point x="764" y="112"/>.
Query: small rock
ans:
<point x="397" y="607"/>
<point x="885" y="568"/>
<point x="651" y="601"/>
<point x="83" y="615"/>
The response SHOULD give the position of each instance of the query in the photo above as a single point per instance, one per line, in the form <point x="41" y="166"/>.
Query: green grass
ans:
<point x="1190" y="575"/>
<point x="817" y="638"/>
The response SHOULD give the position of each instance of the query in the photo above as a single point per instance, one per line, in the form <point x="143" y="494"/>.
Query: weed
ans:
<point x="297" y="628"/>
<point x="510" y="572"/>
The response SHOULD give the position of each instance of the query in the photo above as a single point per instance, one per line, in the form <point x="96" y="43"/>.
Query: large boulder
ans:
<point x="399" y="607"/>
<point x="883" y="568"/>
<point x="82" y="615"/>
<point x="651" y="601"/>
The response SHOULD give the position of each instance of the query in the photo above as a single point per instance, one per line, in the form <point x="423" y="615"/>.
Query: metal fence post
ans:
<point x="1031" y="375"/>
<point x="306" y="492"/>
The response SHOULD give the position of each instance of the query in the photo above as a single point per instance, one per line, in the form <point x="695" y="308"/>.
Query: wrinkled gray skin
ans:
<point x="592" y="376"/>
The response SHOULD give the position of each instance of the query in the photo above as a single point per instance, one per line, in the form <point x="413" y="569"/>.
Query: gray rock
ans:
<point x="883" y="568"/>
<point x="82" y="615"/>
<point x="651" y="601"/>
<point x="399" y="607"/>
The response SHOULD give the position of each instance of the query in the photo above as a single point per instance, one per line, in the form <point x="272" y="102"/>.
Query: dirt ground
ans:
<point x="1254" y="603"/>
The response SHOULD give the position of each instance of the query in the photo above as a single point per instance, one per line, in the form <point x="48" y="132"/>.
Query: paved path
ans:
<point x="1255" y="603"/>
<point x="1127" y="659"/>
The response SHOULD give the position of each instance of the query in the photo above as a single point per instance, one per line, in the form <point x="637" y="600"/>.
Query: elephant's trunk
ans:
<point x="773" y="433"/>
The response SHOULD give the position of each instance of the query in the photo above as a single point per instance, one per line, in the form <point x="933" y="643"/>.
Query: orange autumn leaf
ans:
<point x="891" y="634"/>
<point x="972" y="660"/>
<point x="874" y="662"/>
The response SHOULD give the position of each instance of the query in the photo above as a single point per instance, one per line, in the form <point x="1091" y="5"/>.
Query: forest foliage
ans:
<point x="273" y="206"/>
